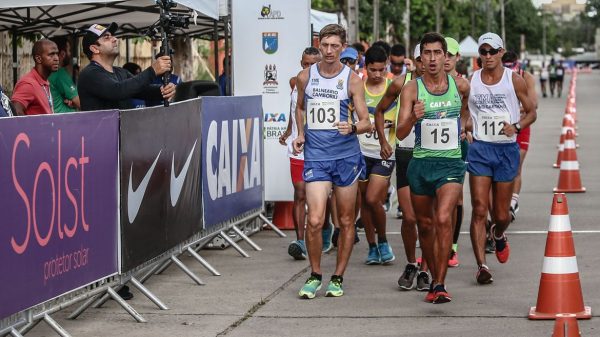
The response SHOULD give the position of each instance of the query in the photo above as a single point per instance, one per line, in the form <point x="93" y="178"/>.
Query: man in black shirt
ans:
<point x="102" y="86"/>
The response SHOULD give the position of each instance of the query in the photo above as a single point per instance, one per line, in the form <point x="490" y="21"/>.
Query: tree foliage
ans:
<point x="460" y="18"/>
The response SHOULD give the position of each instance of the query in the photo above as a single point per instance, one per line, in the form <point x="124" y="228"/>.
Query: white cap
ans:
<point x="417" y="52"/>
<point x="492" y="39"/>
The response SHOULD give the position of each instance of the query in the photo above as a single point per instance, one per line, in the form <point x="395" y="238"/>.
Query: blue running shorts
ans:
<point x="341" y="172"/>
<point x="497" y="160"/>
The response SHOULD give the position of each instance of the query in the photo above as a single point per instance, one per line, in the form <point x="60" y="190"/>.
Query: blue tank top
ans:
<point x="326" y="101"/>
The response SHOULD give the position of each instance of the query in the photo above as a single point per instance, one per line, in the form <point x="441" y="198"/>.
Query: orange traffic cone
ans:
<point x="569" y="180"/>
<point x="566" y="326"/>
<point x="563" y="135"/>
<point x="283" y="215"/>
<point x="560" y="289"/>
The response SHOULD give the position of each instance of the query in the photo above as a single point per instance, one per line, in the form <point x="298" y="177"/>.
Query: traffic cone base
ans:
<point x="283" y="215"/>
<point x="566" y="326"/>
<point x="586" y="314"/>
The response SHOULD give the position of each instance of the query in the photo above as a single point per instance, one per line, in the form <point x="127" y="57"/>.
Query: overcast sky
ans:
<point x="536" y="3"/>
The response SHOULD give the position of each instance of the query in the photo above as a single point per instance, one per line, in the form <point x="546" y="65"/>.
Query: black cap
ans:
<point x="92" y="35"/>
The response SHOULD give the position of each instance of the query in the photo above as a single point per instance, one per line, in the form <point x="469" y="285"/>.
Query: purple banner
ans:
<point x="58" y="191"/>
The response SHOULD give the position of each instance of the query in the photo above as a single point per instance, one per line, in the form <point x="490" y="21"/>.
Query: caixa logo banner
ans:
<point x="58" y="191"/>
<point x="232" y="157"/>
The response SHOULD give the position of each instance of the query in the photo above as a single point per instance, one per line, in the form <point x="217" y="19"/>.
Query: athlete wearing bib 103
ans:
<point x="369" y="142"/>
<point x="437" y="153"/>
<point x="329" y="155"/>
<point x="492" y="153"/>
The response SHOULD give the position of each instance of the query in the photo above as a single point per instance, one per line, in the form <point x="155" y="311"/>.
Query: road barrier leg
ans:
<point x="272" y="225"/>
<point x="203" y="262"/>
<point x="55" y="326"/>
<point x="246" y="238"/>
<point x="152" y="271"/>
<point x="83" y="307"/>
<point x="148" y="294"/>
<point x="126" y="306"/>
<point x="233" y="244"/>
<point x="13" y="332"/>
<point x="186" y="270"/>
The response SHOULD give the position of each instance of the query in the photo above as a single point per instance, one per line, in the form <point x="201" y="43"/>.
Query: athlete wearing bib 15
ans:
<point x="492" y="152"/>
<point x="329" y="155"/>
<point x="437" y="153"/>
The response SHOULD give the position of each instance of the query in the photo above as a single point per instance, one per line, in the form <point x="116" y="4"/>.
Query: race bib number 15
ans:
<point x="321" y="114"/>
<point x="439" y="134"/>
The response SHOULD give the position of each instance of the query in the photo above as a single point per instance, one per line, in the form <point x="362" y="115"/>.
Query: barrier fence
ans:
<point x="92" y="201"/>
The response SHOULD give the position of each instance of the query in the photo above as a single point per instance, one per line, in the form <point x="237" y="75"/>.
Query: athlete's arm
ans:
<point x="357" y="92"/>
<point x="410" y="112"/>
<point x="530" y="82"/>
<point x="391" y="94"/>
<point x="301" y="79"/>
<point x="288" y="130"/>
<point x="528" y="109"/>
<point x="464" y="88"/>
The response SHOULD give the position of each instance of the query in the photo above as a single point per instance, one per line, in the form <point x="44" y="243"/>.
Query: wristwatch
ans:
<point x="353" y="127"/>
<point x="517" y="127"/>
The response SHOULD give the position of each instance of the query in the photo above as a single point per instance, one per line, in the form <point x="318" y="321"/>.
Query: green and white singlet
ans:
<point x="437" y="134"/>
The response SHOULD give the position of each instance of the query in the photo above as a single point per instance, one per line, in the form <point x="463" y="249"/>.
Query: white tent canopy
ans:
<point x="320" y="19"/>
<point x="468" y="47"/>
<point x="59" y="17"/>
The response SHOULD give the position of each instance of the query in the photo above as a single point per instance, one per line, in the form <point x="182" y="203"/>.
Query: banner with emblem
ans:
<point x="273" y="35"/>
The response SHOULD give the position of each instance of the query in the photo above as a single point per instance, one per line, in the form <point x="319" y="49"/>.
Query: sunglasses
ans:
<point x="348" y="61"/>
<point x="484" y="52"/>
<point x="397" y="64"/>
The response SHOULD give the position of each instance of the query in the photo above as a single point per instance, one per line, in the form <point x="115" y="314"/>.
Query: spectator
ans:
<point x="224" y="80"/>
<point x="64" y="92"/>
<point x="135" y="69"/>
<point x="32" y="95"/>
<point x="104" y="86"/>
<point x="158" y="80"/>
<point x="6" y="109"/>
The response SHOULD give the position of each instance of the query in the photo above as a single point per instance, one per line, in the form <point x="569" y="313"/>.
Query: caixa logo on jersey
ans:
<point x="232" y="157"/>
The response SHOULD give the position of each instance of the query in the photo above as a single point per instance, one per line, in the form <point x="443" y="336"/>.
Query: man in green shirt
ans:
<point x="64" y="91"/>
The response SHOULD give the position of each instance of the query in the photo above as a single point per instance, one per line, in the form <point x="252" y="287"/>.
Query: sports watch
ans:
<point x="517" y="127"/>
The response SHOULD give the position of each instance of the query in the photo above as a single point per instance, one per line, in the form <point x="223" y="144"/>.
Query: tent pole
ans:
<point x="15" y="64"/>
<point x="216" y="47"/>
<point x="127" y="50"/>
<point x="226" y="67"/>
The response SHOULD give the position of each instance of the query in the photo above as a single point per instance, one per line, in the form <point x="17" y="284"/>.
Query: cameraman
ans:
<point x="102" y="86"/>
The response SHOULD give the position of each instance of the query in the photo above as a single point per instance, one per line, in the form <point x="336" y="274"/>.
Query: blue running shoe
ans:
<point x="385" y="251"/>
<point x="297" y="250"/>
<point x="327" y="234"/>
<point x="373" y="257"/>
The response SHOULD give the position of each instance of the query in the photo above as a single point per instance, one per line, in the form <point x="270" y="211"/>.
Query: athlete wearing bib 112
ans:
<point x="493" y="158"/>
<point x="436" y="105"/>
<point x="331" y="152"/>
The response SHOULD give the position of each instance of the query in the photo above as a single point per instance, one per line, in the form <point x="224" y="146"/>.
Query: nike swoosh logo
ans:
<point x="451" y="179"/>
<point x="177" y="182"/>
<point x="134" y="198"/>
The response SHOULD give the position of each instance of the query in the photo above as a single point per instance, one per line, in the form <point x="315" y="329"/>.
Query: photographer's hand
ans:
<point x="161" y="65"/>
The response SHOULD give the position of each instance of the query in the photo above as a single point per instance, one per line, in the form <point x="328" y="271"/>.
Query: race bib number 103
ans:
<point x="321" y="114"/>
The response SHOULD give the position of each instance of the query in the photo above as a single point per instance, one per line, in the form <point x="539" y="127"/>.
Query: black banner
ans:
<point x="161" y="202"/>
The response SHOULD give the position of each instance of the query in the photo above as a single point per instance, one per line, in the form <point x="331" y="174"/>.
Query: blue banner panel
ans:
<point x="58" y="191"/>
<point x="232" y="157"/>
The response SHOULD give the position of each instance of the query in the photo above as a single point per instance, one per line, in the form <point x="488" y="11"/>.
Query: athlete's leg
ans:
<point x="299" y="211"/>
<point x="517" y="186"/>
<point x="366" y="214"/>
<point x="317" y="193"/>
<point x="502" y="194"/>
<point x="409" y="224"/>
<point x="374" y="197"/>
<point x="480" y="192"/>
<point x="559" y="84"/>
<point x="423" y="207"/>
<point x="346" y="199"/>
<point x="446" y="198"/>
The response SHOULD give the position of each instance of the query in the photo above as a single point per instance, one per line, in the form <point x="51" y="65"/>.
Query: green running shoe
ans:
<point x="334" y="288"/>
<point x="310" y="288"/>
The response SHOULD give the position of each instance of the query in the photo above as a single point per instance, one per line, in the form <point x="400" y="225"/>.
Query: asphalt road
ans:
<point x="257" y="296"/>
